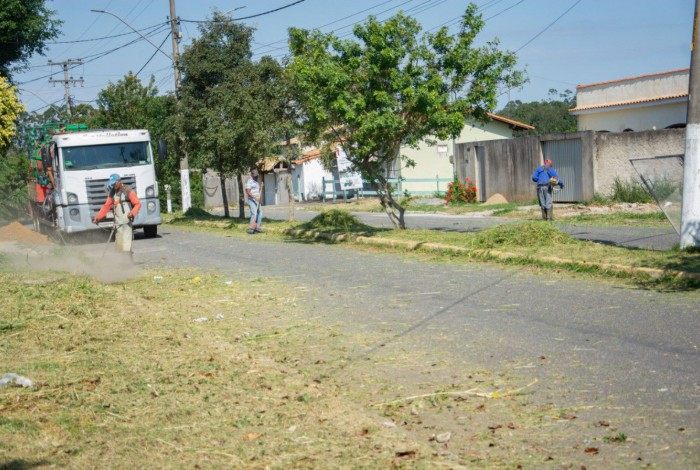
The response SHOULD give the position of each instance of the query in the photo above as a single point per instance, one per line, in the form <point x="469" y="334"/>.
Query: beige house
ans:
<point x="434" y="162"/>
<point x="646" y="102"/>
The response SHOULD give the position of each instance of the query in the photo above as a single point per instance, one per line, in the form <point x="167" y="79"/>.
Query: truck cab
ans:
<point x="83" y="162"/>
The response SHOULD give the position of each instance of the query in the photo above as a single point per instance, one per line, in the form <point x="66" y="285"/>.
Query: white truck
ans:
<point x="79" y="165"/>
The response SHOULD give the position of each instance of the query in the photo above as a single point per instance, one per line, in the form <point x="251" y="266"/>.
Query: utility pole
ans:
<point x="184" y="161"/>
<point x="690" y="212"/>
<point x="67" y="80"/>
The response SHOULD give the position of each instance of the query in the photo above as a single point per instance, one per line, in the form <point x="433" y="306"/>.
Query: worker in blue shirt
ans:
<point x="546" y="177"/>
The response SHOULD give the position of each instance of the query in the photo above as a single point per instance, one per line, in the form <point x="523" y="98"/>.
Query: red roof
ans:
<point x="308" y="156"/>
<point x="623" y="103"/>
<point x="509" y="121"/>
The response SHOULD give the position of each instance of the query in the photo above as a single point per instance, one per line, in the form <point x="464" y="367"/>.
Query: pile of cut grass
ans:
<point x="531" y="234"/>
<point x="336" y="220"/>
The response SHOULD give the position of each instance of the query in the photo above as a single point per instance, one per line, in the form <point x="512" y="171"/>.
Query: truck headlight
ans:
<point x="72" y="198"/>
<point x="151" y="206"/>
<point x="150" y="191"/>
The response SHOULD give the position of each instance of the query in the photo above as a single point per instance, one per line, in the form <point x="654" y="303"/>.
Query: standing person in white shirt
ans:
<point x="252" y="192"/>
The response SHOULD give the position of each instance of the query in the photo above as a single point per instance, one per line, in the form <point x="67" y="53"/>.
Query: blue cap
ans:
<point x="113" y="178"/>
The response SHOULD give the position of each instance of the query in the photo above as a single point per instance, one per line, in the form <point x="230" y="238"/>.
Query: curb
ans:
<point x="412" y="245"/>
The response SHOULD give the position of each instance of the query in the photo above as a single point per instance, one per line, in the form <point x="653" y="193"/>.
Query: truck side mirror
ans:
<point x="162" y="149"/>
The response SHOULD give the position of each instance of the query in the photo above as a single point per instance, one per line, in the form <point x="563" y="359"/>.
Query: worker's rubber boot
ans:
<point x="550" y="214"/>
<point x="544" y="213"/>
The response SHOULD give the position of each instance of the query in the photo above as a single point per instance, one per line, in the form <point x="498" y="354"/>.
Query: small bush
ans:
<point x="630" y="191"/>
<point x="461" y="193"/>
<point x="522" y="235"/>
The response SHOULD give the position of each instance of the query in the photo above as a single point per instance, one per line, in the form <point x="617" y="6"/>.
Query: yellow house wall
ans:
<point x="430" y="164"/>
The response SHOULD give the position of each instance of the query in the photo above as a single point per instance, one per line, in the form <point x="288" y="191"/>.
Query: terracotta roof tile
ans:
<point x="512" y="122"/>
<point x="623" y="103"/>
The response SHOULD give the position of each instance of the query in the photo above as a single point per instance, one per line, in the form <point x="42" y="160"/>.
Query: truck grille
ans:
<point x="96" y="191"/>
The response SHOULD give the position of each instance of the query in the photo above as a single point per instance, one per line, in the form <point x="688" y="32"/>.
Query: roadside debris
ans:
<point x="441" y="438"/>
<point x="16" y="379"/>
<point x="200" y="320"/>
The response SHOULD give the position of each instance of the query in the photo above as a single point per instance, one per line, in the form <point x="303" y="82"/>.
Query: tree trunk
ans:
<point x="224" y="196"/>
<point x="241" y="196"/>
<point x="290" y="192"/>
<point x="289" y="182"/>
<point x="392" y="208"/>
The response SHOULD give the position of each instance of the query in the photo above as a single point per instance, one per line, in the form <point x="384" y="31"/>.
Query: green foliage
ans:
<point x="10" y="109"/>
<point x="460" y="193"/>
<point x="25" y="26"/>
<point x="526" y="234"/>
<point x="548" y="115"/>
<point x="392" y="87"/>
<point x="14" y="174"/>
<point x="630" y="191"/>
<point x="231" y="106"/>
<point x="335" y="219"/>
<point x="617" y="438"/>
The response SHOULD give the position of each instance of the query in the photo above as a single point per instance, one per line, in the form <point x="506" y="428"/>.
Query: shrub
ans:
<point x="629" y="191"/>
<point x="538" y="233"/>
<point x="460" y="193"/>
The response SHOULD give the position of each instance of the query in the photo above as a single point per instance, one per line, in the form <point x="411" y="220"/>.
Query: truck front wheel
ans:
<point x="150" y="231"/>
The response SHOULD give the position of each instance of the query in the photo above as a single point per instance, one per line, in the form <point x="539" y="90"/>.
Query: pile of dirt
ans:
<point x="497" y="198"/>
<point x="16" y="232"/>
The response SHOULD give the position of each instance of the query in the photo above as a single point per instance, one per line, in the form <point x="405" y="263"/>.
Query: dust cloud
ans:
<point x="25" y="249"/>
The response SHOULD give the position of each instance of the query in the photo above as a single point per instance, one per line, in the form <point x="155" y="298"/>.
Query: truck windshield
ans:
<point x="91" y="157"/>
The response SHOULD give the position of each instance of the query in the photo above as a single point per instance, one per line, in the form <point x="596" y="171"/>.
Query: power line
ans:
<point x="154" y="54"/>
<point x="45" y="106"/>
<point x="548" y="26"/>
<point x="332" y="22"/>
<point x="253" y="16"/>
<point x="93" y="57"/>
<point x="107" y="37"/>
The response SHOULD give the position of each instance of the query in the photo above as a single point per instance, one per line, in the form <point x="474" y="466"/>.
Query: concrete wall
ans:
<point x="637" y="118"/>
<point x="613" y="151"/>
<point x="671" y="83"/>
<point x="430" y="164"/>
<point x="212" y="191"/>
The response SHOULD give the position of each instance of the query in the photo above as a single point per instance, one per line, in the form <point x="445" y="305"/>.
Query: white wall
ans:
<point x="429" y="163"/>
<point x="310" y="174"/>
<point x="641" y="118"/>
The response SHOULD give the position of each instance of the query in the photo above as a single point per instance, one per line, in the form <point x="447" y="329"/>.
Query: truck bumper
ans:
<point x="78" y="218"/>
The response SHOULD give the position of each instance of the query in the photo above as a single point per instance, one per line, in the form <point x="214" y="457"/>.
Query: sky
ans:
<point x="596" y="40"/>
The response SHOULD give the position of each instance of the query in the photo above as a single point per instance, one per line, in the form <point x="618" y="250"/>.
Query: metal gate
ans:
<point x="568" y="161"/>
<point x="480" y="173"/>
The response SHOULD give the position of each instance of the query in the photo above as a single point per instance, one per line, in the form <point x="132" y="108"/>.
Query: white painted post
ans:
<point x="169" y="201"/>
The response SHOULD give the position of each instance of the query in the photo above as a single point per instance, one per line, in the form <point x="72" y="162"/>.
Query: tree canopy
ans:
<point x="10" y="110"/>
<point x="392" y="86"/>
<point x="547" y="115"/>
<point x="230" y="105"/>
<point x="25" y="27"/>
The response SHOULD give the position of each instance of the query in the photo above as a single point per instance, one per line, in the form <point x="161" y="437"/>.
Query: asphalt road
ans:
<point x="637" y="237"/>
<point x="625" y="352"/>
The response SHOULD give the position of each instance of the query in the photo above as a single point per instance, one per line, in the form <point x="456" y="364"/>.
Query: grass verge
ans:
<point x="177" y="370"/>
<point x="533" y="243"/>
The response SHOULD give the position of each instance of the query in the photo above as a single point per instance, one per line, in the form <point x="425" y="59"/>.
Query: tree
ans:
<point x="548" y="115"/>
<point x="131" y="104"/>
<point x="25" y="26"/>
<point x="228" y="104"/>
<point x="393" y="87"/>
<point x="10" y="110"/>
